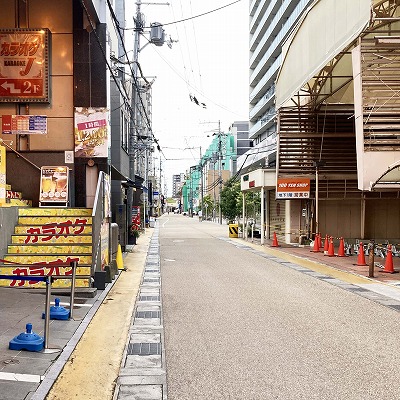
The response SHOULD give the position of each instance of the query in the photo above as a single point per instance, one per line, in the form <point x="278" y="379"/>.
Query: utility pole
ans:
<point x="139" y="26"/>
<point x="160" y="206"/>
<point x="134" y="98"/>
<point x="220" y="170"/>
<point x="201" y="184"/>
<point x="139" y="115"/>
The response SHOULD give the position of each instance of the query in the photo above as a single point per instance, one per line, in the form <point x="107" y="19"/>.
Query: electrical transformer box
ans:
<point x="157" y="35"/>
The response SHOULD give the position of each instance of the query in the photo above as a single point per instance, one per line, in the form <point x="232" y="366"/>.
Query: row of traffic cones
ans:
<point x="388" y="269"/>
<point x="329" y="250"/>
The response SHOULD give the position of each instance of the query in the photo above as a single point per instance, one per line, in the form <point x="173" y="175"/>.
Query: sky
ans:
<point x="208" y="59"/>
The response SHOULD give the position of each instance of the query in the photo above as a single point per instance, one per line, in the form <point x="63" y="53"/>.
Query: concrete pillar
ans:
<point x="262" y="215"/>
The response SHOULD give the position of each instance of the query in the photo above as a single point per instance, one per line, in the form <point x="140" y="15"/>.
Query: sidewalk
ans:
<point x="100" y="323"/>
<point x="346" y="264"/>
<point x="386" y="286"/>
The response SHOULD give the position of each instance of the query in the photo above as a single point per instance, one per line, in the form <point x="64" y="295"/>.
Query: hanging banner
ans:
<point x="91" y="132"/>
<point x="54" y="185"/>
<point x="135" y="218"/>
<point x="292" y="188"/>
<point x="24" y="65"/>
<point x="2" y="174"/>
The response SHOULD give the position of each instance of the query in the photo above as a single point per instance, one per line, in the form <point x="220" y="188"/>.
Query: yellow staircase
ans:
<point x="47" y="237"/>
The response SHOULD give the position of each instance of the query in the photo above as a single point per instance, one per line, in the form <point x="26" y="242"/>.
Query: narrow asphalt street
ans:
<point x="242" y="326"/>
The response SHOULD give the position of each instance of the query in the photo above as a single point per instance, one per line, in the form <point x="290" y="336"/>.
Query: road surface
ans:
<point x="241" y="326"/>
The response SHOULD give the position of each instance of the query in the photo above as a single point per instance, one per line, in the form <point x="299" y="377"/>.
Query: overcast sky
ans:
<point x="208" y="61"/>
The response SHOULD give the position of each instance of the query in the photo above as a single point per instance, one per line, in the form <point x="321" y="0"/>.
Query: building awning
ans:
<point x="327" y="28"/>
<point x="390" y="179"/>
<point x="116" y="175"/>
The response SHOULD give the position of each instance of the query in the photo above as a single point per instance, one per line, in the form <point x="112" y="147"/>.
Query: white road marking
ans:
<point x="9" y="376"/>
<point x="75" y="305"/>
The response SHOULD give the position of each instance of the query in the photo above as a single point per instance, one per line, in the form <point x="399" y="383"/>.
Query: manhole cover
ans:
<point x="11" y="361"/>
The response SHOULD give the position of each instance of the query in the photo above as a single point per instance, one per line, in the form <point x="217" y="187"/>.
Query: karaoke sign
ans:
<point x="24" y="65"/>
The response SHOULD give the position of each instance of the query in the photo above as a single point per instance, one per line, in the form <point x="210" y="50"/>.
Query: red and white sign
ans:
<point x="91" y="132"/>
<point x="292" y="188"/>
<point x="24" y="63"/>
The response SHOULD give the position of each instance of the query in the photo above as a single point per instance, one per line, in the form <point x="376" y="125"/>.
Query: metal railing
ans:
<point x="49" y="279"/>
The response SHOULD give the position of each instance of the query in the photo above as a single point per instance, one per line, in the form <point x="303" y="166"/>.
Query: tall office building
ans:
<point x="177" y="182"/>
<point x="271" y="22"/>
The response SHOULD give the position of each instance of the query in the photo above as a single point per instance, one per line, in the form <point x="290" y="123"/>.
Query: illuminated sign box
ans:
<point x="292" y="188"/>
<point x="24" y="65"/>
<point x="54" y="185"/>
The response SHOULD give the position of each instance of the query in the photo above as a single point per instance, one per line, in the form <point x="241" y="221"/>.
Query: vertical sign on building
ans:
<point x="2" y="174"/>
<point x="24" y="65"/>
<point x="91" y="132"/>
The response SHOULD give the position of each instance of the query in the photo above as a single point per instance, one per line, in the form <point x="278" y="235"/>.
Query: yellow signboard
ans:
<point x="2" y="174"/>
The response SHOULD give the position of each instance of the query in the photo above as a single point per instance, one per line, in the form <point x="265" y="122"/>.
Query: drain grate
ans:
<point x="149" y="298"/>
<point x="148" y="314"/>
<point x="151" y="280"/>
<point x="144" y="349"/>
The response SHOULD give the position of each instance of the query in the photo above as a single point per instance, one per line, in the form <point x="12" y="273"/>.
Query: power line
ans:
<point x="142" y="110"/>
<point x="195" y="16"/>
<point x="124" y="94"/>
<point x="190" y="85"/>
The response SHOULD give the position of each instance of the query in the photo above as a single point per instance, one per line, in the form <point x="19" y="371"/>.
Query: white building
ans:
<point x="271" y="22"/>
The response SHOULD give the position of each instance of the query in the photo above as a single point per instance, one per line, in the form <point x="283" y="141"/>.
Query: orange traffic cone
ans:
<point x="316" y="244"/>
<point x="361" y="257"/>
<point x="389" y="261"/>
<point x="326" y="244"/>
<point x="341" y="248"/>
<point x="319" y="241"/>
<point x="331" y="249"/>
<point x="275" y="241"/>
